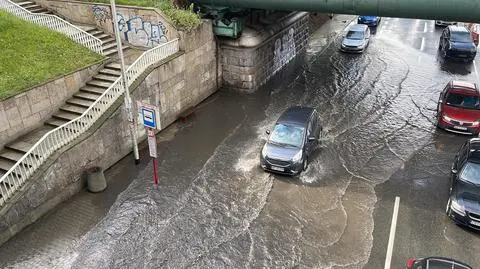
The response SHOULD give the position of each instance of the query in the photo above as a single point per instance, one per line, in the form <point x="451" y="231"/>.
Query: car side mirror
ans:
<point x="267" y="132"/>
<point x="311" y="138"/>
<point x="454" y="171"/>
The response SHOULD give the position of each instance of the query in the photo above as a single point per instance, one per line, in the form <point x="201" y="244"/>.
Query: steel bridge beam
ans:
<point x="450" y="10"/>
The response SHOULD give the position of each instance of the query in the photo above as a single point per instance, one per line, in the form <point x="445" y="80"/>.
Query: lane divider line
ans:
<point x="391" y="238"/>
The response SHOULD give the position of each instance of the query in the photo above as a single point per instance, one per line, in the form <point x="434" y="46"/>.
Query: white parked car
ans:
<point x="356" y="39"/>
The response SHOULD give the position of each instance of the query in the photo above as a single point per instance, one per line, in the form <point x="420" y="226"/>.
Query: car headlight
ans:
<point x="458" y="208"/>
<point x="297" y="157"/>
<point x="475" y="123"/>
<point x="264" y="151"/>
<point x="446" y="118"/>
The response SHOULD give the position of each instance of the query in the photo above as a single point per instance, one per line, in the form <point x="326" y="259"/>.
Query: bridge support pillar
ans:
<point x="263" y="49"/>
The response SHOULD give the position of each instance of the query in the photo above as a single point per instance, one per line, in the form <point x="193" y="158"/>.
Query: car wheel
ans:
<point x="305" y="164"/>
<point x="437" y="121"/>
<point x="447" y="209"/>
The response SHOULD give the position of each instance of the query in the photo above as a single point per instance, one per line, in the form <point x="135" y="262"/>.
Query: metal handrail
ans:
<point x="55" y="23"/>
<point x="62" y="135"/>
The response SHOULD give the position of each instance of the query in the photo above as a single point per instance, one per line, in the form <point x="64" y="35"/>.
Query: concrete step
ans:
<point x="95" y="32"/>
<point x="38" y="9"/>
<point x="14" y="156"/>
<point x="87" y="96"/>
<point x="110" y="52"/>
<point x="99" y="83"/>
<point x="73" y="109"/>
<point x="115" y="66"/>
<point x="64" y="115"/>
<point x="5" y="165"/>
<point x="108" y="71"/>
<point x="49" y="12"/>
<point x="23" y="3"/>
<point x="35" y="135"/>
<point x="104" y="37"/>
<point x="28" y="5"/>
<point x="107" y="78"/>
<point x="108" y="46"/>
<point x="113" y="51"/>
<point x="86" y="28"/>
<point x="79" y="102"/>
<point x="20" y="146"/>
<point x="93" y="89"/>
<point x="11" y="155"/>
<point x="56" y="122"/>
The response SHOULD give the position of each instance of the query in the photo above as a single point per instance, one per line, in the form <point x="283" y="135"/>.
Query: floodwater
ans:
<point x="216" y="208"/>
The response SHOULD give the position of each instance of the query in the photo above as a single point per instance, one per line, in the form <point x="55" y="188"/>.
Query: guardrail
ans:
<point x="62" y="135"/>
<point x="55" y="23"/>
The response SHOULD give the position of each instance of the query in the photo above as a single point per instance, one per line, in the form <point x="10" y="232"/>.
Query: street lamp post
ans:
<point x="128" y="99"/>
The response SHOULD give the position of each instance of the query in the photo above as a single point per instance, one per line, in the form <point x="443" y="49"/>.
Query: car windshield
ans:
<point x="285" y="134"/>
<point x="356" y="35"/>
<point x="462" y="37"/>
<point x="461" y="100"/>
<point x="471" y="173"/>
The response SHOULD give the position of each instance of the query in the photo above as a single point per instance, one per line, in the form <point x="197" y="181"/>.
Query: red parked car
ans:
<point x="458" y="108"/>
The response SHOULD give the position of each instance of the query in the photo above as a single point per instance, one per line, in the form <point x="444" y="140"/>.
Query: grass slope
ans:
<point x="31" y="54"/>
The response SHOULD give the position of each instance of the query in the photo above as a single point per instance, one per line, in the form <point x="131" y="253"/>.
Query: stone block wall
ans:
<point x="143" y="27"/>
<point x="23" y="113"/>
<point x="184" y="81"/>
<point x="246" y="69"/>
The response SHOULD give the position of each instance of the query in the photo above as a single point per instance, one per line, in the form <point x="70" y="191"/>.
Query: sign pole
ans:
<point x="152" y="148"/>
<point x="128" y="99"/>
<point x="155" y="176"/>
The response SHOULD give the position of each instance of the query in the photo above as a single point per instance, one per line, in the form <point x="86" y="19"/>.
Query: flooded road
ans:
<point x="216" y="208"/>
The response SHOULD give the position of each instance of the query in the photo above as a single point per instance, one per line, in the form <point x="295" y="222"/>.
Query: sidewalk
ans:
<point x="49" y="242"/>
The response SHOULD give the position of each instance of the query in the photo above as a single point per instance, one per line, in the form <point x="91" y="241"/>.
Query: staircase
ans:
<point x="73" y="108"/>
<point x="108" y="42"/>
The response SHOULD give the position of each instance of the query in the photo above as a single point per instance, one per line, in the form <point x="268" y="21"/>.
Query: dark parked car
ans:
<point x="458" y="108"/>
<point x="293" y="138"/>
<point x="436" y="263"/>
<point x="369" y="20"/>
<point x="463" y="204"/>
<point x="456" y="43"/>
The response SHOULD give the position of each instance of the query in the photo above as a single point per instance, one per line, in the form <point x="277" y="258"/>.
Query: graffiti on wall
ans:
<point x="140" y="32"/>
<point x="101" y="13"/>
<point x="284" y="50"/>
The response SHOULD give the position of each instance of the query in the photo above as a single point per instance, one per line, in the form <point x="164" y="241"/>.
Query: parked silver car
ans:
<point x="356" y="39"/>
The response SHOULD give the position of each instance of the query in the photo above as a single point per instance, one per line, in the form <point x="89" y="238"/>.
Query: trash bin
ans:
<point x="96" y="179"/>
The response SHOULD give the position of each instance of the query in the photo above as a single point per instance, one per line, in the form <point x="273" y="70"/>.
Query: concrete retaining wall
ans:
<point x="144" y="27"/>
<point x="183" y="81"/>
<point x="246" y="67"/>
<point x="23" y="113"/>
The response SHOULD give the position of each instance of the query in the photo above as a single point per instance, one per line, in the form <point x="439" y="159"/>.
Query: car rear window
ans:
<point x="462" y="37"/>
<point x="462" y="100"/>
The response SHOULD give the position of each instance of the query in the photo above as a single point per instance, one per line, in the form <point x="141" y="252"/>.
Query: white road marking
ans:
<point x="391" y="239"/>
<point x="425" y="28"/>
<point x="422" y="46"/>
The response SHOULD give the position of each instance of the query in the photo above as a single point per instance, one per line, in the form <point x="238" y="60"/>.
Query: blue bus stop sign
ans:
<point x="148" y="117"/>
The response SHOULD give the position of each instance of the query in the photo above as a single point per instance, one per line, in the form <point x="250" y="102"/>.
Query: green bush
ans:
<point x="31" y="54"/>
<point x="183" y="19"/>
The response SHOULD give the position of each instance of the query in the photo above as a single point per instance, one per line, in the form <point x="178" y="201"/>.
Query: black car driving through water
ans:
<point x="463" y="205"/>
<point x="293" y="138"/>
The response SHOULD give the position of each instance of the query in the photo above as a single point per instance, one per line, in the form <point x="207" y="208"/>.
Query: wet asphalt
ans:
<point x="215" y="207"/>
